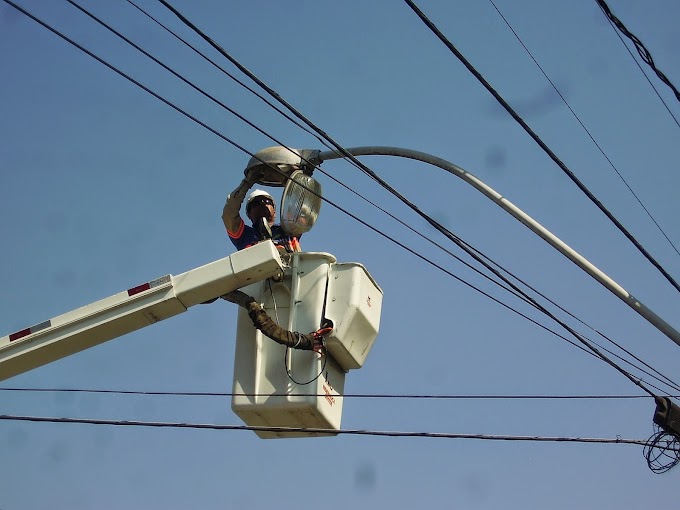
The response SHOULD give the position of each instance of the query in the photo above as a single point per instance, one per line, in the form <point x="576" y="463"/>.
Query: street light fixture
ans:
<point x="288" y="160"/>
<point x="277" y="164"/>
<point x="301" y="198"/>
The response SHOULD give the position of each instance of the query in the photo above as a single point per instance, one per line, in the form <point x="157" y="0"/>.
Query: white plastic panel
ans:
<point x="264" y="394"/>
<point x="221" y="276"/>
<point x="88" y="326"/>
<point x="354" y="304"/>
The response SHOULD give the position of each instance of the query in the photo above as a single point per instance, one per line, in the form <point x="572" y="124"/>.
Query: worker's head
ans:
<point x="260" y="204"/>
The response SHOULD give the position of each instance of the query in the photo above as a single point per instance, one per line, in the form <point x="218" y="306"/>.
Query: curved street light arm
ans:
<point x="520" y="215"/>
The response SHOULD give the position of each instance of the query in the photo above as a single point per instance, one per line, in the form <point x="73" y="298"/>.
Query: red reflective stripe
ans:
<point x="138" y="289"/>
<point x="30" y="331"/>
<point x="239" y="231"/>
<point x="19" y="334"/>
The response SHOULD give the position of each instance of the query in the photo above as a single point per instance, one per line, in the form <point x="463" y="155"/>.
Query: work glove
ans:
<point x="254" y="175"/>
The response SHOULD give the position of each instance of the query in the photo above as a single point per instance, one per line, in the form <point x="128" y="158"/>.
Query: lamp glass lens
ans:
<point x="299" y="206"/>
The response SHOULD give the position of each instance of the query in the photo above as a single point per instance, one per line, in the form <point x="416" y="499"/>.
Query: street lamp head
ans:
<point x="269" y="160"/>
<point x="292" y="168"/>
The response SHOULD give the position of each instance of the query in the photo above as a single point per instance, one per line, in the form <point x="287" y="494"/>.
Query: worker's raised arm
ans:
<point x="231" y="216"/>
<point x="230" y="213"/>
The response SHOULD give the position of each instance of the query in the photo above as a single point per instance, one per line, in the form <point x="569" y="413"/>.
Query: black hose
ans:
<point x="263" y="322"/>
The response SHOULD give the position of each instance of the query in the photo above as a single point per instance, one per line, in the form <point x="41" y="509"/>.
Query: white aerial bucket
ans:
<point x="280" y="387"/>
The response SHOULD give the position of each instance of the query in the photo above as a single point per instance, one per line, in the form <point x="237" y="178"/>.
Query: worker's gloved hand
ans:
<point x="254" y="175"/>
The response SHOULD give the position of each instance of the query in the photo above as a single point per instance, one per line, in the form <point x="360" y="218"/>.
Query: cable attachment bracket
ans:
<point x="662" y="449"/>
<point x="667" y="415"/>
<point x="310" y="160"/>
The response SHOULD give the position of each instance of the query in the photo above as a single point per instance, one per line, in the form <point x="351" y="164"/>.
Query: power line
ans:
<point x="225" y="72"/>
<point x="344" y="152"/>
<point x="228" y="140"/>
<point x="236" y="145"/>
<point x="564" y="100"/>
<point x="450" y="235"/>
<point x="322" y="431"/>
<point x="266" y="134"/>
<point x="374" y="176"/>
<point x="369" y="172"/>
<point x="539" y="141"/>
<point x="323" y="142"/>
<point x="482" y="259"/>
<point x="320" y="139"/>
<point x="175" y="73"/>
<point x="667" y="380"/>
<point x="644" y="73"/>
<point x="242" y="118"/>
<point x="327" y="432"/>
<point x="642" y="51"/>
<point x="127" y="77"/>
<point x="390" y="396"/>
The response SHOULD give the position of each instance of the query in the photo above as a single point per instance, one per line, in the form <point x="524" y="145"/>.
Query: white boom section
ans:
<point x="133" y="309"/>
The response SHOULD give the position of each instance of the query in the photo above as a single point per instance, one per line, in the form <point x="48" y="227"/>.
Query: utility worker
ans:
<point x="261" y="211"/>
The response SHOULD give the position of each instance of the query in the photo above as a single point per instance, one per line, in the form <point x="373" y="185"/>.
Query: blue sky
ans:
<point x="105" y="187"/>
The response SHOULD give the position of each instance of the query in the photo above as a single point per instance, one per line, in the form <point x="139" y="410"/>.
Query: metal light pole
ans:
<point x="284" y="159"/>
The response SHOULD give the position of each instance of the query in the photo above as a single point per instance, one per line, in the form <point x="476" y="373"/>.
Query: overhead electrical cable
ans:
<point x="261" y="131"/>
<point x="642" y="51"/>
<point x="540" y="142"/>
<point x="389" y="396"/>
<point x="642" y="71"/>
<point x="254" y="126"/>
<point x="664" y="442"/>
<point x="227" y="73"/>
<point x="221" y="104"/>
<point x="267" y="134"/>
<point x="346" y="212"/>
<point x="361" y="432"/>
<point x="482" y="259"/>
<point x="347" y="155"/>
<point x="126" y="76"/>
<point x="374" y="229"/>
<point x="275" y="95"/>
<point x="233" y="112"/>
<point x="373" y="175"/>
<point x="592" y="138"/>
<point x="176" y="74"/>
<point x="580" y="338"/>
<point x="271" y="92"/>
<point x="217" y="133"/>
<point x="665" y="380"/>
<point x="662" y="451"/>
<point x="321" y="140"/>
<point x="668" y="381"/>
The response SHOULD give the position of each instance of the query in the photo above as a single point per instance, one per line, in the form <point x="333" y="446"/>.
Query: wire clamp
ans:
<point x="319" y="344"/>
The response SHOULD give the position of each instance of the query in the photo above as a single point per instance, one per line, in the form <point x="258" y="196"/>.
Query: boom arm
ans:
<point x="134" y="309"/>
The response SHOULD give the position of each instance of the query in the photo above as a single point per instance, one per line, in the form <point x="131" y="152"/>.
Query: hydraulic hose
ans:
<point x="262" y="321"/>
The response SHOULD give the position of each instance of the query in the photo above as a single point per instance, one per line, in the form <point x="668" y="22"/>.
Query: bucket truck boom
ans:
<point x="134" y="309"/>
